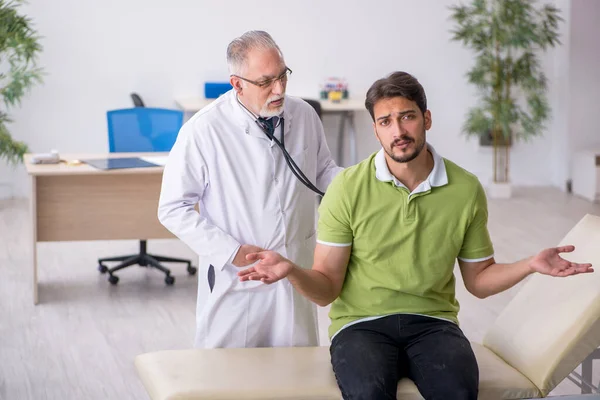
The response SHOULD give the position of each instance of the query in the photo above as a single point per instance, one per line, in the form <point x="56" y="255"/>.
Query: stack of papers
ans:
<point x="158" y="160"/>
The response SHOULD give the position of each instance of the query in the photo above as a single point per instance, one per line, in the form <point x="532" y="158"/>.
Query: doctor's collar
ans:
<point x="256" y="117"/>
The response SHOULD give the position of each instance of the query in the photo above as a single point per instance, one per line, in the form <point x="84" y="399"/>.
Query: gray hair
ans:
<point x="237" y="51"/>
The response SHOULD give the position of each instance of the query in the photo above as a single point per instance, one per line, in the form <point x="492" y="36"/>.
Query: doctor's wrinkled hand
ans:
<point x="270" y="268"/>
<point x="240" y="259"/>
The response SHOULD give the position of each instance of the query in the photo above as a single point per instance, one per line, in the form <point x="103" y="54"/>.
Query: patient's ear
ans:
<point x="428" y="121"/>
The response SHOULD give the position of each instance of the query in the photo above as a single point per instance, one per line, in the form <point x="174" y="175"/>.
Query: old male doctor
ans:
<point x="248" y="199"/>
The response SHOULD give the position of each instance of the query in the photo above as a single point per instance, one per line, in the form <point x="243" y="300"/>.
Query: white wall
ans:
<point x="584" y="76"/>
<point x="559" y="101"/>
<point x="97" y="52"/>
<point x="576" y="87"/>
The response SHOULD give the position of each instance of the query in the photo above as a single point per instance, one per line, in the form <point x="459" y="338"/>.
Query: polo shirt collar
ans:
<point x="437" y="177"/>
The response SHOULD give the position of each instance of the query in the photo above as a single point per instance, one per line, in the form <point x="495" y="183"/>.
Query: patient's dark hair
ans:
<point x="397" y="84"/>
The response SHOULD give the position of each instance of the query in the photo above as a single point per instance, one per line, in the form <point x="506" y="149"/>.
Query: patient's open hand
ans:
<point x="549" y="262"/>
<point x="271" y="267"/>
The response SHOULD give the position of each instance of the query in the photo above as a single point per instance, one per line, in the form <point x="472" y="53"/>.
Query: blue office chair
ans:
<point x="137" y="100"/>
<point x="142" y="129"/>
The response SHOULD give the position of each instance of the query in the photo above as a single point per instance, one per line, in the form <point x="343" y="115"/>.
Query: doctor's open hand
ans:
<point x="549" y="262"/>
<point x="270" y="268"/>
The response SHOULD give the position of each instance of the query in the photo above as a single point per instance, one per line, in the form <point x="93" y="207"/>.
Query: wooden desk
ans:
<point x="80" y="202"/>
<point x="345" y="109"/>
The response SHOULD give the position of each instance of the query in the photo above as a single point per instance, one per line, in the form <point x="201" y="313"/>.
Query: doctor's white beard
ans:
<point x="266" y="112"/>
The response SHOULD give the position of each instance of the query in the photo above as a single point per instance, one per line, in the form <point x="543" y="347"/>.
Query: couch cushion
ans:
<point x="287" y="373"/>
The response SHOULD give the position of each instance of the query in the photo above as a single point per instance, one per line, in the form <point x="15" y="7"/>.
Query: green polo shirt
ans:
<point x="404" y="245"/>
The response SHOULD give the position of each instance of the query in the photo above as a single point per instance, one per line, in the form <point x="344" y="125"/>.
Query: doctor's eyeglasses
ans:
<point x="269" y="82"/>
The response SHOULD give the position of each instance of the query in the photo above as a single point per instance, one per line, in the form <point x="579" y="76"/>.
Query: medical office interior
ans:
<point x="67" y="332"/>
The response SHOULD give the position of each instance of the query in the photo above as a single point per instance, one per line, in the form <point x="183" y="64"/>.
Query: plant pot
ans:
<point x="487" y="140"/>
<point x="499" y="190"/>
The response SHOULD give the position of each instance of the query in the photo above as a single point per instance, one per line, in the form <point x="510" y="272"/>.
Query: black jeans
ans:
<point x="369" y="358"/>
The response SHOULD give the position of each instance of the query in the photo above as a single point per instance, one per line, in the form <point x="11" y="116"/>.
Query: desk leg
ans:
<point x="340" y="144"/>
<point x="33" y="214"/>
<point x="353" y="149"/>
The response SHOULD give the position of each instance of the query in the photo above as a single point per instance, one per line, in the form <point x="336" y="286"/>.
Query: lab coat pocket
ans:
<point x="210" y="277"/>
<point x="219" y="281"/>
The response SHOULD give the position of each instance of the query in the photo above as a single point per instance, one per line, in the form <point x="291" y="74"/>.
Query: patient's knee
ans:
<point x="371" y="388"/>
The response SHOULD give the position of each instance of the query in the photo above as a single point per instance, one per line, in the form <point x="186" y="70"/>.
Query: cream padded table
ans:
<point x="288" y="373"/>
<point x="80" y="202"/>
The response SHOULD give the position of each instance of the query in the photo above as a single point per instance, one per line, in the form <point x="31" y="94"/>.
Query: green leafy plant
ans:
<point x="19" y="48"/>
<point x="507" y="37"/>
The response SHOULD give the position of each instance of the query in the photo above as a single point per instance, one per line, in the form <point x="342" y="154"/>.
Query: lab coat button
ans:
<point x="276" y="180"/>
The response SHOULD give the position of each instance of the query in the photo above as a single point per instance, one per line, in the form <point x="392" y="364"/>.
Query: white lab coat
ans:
<point x="246" y="194"/>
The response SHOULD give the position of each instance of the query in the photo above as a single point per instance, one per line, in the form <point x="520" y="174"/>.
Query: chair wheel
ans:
<point x="102" y="268"/>
<point x="113" y="279"/>
<point x="192" y="270"/>
<point x="169" y="280"/>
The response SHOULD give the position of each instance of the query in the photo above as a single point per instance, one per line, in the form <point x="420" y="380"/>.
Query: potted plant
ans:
<point x="19" y="48"/>
<point x="507" y="37"/>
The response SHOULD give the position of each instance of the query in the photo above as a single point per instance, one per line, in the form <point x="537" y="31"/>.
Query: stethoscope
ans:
<point x="290" y="162"/>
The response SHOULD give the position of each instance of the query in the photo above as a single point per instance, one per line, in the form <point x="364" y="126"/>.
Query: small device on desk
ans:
<point x="46" y="158"/>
